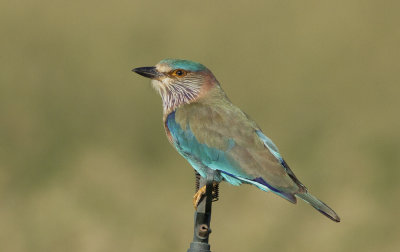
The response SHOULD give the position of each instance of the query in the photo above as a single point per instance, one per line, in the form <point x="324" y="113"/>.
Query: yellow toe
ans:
<point x="197" y="196"/>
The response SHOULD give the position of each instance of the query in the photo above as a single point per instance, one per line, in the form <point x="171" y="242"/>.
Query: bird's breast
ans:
<point x="167" y="130"/>
<point x="168" y="133"/>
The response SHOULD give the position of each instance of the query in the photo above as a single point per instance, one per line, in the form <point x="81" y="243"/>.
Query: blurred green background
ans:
<point x="85" y="165"/>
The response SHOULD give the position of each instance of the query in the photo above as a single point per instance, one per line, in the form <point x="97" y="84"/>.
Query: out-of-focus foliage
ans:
<point x="85" y="165"/>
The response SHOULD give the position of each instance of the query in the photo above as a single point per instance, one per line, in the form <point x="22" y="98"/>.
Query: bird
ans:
<point x="210" y="132"/>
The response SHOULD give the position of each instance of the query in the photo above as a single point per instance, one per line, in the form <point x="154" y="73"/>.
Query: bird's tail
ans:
<point x="319" y="205"/>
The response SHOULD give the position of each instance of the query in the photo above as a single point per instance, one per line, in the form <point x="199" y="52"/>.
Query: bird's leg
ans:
<point x="201" y="191"/>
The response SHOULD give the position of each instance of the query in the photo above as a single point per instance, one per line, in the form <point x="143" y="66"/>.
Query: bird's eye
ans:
<point x="179" y="73"/>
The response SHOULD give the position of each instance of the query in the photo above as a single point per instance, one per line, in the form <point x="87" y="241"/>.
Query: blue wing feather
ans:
<point x="270" y="145"/>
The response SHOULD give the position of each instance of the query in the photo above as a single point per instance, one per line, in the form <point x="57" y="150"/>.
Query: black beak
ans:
<point x="149" y="72"/>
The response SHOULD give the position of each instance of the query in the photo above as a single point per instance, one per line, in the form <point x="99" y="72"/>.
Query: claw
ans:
<point x="198" y="195"/>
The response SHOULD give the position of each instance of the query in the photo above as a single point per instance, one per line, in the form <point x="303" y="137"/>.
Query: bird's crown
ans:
<point x="186" y="65"/>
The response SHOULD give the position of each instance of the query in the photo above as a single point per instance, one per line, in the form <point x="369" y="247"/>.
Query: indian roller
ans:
<point x="211" y="133"/>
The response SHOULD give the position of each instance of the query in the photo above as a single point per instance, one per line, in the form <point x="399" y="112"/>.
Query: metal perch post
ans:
<point x="202" y="216"/>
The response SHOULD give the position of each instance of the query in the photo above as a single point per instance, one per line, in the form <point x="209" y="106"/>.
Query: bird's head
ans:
<point x="179" y="81"/>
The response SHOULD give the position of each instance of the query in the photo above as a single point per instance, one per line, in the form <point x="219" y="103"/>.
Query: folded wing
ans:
<point x="225" y="139"/>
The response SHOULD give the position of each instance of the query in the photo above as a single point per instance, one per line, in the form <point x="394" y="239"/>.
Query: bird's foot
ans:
<point x="198" y="195"/>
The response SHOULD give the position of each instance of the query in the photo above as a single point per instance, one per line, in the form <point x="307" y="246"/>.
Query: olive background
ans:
<point x="85" y="165"/>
